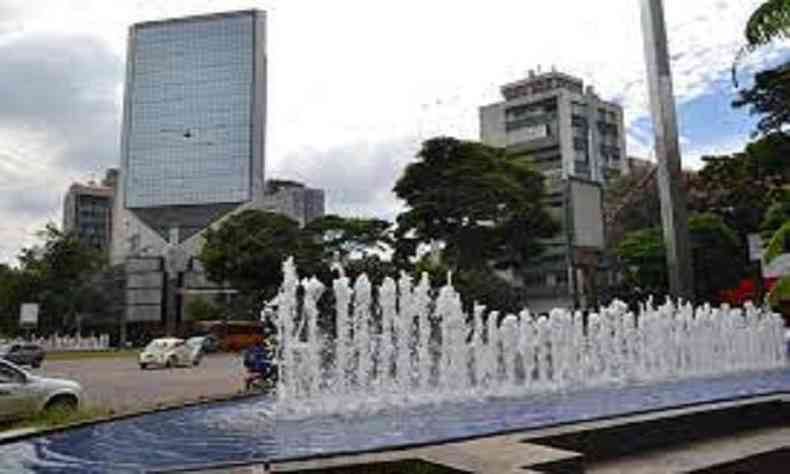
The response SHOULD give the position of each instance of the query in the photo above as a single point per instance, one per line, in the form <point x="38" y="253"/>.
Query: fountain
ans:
<point x="405" y="347"/>
<point x="400" y="364"/>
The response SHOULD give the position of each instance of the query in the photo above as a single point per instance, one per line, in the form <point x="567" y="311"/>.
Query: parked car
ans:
<point x="198" y="345"/>
<point x="23" y="394"/>
<point x="208" y="343"/>
<point x="170" y="352"/>
<point x="23" y="354"/>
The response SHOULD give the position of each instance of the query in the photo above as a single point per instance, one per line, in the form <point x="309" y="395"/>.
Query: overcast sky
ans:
<point x="354" y="85"/>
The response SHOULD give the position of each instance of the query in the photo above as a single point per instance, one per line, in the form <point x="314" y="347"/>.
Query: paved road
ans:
<point x="118" y="383"/>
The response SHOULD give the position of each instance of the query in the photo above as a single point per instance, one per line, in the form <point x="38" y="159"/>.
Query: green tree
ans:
<point x="375" y="267"/>
<point x="630" y="207"/>
<point x="475" y="285"/>
<point x="776" y="216"/>
<point x="486" y="207"/>
<point x="9" y="282"/>
<point x="769" y="98"/>
<point x="716" y="250"/>
<point x="769" y="22"/>
<point x="61" y="275"/>
<point x="350" y="237"/>
<point x="776" y="231"/>
<point x="779" y="245"/>
<point x="248" y="251"/>
<point x="739" y="188"/>
<point x="201" y="309"/>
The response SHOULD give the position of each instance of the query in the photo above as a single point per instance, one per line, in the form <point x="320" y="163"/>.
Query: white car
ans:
<point x="23" y="394"/>
<point x="170" y="352"/>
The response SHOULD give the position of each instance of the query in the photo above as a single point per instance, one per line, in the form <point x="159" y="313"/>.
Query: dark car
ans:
<point x="209" y="343"/>
<point x="23" y="354"/>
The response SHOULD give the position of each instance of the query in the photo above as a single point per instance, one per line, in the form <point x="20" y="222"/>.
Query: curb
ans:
<point x="780" y="395"/>
<point x="23" y="434"/>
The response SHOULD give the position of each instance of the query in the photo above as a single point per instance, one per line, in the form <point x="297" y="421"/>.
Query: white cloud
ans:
<point x="351" y="80"/>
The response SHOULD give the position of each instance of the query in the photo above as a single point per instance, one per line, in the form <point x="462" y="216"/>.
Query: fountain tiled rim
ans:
<point x="24" y="434"/>
<point x="529" y="433"/>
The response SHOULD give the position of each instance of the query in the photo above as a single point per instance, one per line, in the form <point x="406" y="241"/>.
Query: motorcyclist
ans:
<point x="259" y="362"/>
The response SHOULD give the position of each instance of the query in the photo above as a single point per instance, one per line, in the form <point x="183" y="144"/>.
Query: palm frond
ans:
<point x="771" y="21"/>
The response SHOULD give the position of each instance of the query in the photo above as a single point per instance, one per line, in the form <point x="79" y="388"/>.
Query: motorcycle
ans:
<point x="263" y="381"/>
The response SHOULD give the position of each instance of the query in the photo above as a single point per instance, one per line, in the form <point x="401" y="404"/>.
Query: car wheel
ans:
<point x="143" y="366"/>
<point x="35" y="364"/>
<point x="171" y="362"/>
<point x="62" y="404"/>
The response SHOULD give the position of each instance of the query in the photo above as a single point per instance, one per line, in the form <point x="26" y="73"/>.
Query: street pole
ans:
<point x="673" y="197"/>
<point x="171" y="308"/>
<point x="176" y="261"/>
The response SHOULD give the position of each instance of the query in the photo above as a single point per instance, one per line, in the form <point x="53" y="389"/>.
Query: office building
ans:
<point x="192" y="149"/>
<point x="295" y="200"/>
<point x="87" y="213"/>
<point x="577" y="141"/>
<point x="193" y="127"/>
<point x="564" y="127"/>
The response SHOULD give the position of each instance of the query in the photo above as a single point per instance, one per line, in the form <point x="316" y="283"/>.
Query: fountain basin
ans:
<point x="249" y="430"/>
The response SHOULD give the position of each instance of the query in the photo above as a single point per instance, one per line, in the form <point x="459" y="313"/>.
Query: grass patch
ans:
<point x="56" y="417"/>
<point x="77" y="355"/>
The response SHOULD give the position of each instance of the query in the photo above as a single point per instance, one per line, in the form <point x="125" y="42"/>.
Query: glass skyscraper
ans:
<point x="194" y="119"/>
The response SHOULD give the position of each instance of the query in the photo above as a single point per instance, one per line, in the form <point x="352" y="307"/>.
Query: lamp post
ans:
<point x="176" y="262"/>
<point x="673" y="198"/>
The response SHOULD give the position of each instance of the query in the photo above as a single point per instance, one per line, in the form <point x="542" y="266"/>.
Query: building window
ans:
<point x="610" y="152"/>
<point x="578" y="121"/>
<point x="547" y="119"/>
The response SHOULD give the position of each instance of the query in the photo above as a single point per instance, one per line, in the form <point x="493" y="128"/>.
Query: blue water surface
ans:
<point x="246" y="430"/>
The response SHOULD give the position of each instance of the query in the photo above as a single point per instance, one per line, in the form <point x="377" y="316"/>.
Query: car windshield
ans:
<point x="156" y="345"/>
<point x="9" y="374"/>
<point x="195" y="341"/>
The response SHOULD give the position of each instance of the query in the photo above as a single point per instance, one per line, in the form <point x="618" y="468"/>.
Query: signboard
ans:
<point x="176" y="259"/>
<point x="779" y="267"/>
<point x="586" y="218"/>
<point x="28" y="314"/>
<point x="756" y="248"/>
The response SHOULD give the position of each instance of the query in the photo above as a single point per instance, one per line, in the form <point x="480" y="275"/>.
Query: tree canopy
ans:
<point x="249" y="248"/>
<point x="716" y="250"/>
<point x="486" y="207"/>
<point x="61" y="275"/>
<point x="769" y="22"/>
<point x="351" y="237"/>
<point x="769" y="98"/>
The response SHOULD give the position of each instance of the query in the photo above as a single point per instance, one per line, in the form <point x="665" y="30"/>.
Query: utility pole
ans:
<point x="176" y="262"/>
<point x="673" y="197"/>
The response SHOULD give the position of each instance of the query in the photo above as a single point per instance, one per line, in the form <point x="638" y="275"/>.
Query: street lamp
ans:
<point x="673" y="197"/>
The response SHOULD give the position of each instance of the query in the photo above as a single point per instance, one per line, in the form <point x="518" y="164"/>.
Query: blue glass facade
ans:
<point x="189" y="119"/>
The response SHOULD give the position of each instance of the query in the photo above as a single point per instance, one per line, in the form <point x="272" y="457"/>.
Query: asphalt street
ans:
<point x="120" y="384"/>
